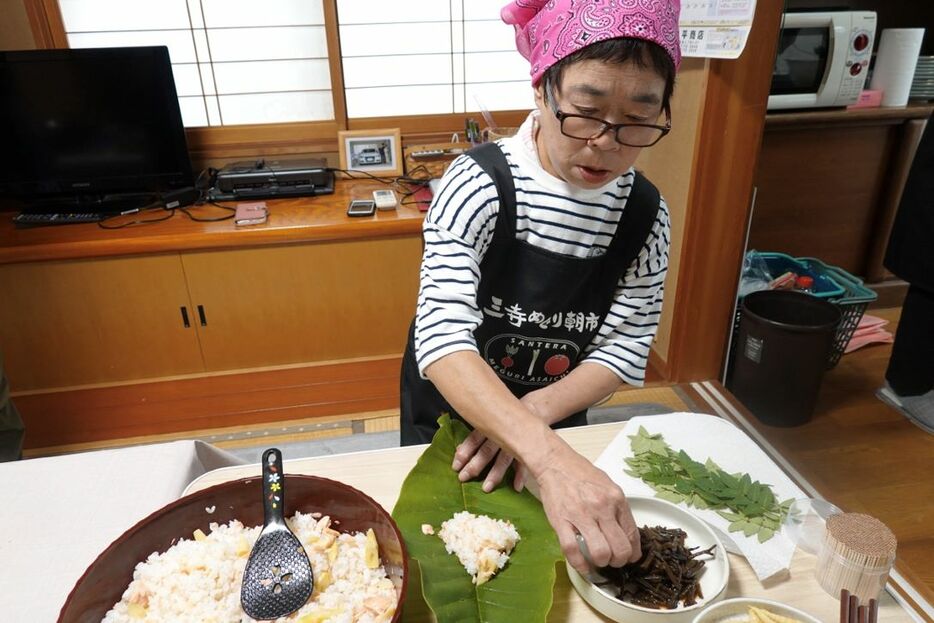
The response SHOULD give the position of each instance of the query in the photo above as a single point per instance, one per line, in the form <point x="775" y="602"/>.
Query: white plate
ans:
<point x="655" y="512"/>
<point x="730" y="610"/>
<point x="702" y="437"/>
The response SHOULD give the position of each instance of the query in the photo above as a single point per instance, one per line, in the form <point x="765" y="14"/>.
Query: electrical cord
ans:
<point x="105" y="223"/>
<point x="203" y="183"/>
<point x="405" y="185"/>
<point x="201" y="219"/>
<point x="417" y="179"/>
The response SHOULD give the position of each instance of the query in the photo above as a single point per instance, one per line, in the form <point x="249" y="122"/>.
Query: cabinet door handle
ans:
<point x="184" y="311"/>
<point x="201" y="316"/>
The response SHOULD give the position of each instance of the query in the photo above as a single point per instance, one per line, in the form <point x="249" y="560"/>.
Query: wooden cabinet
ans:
<point x="303" y="303"/>
<point x="829" y="183"/>
<point x="95" y="321"/>
<point x="70" y="323"/>
<point x="303" y="316"/>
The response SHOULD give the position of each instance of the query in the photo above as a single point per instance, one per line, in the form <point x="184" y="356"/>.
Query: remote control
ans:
<point x="385" y="199"/>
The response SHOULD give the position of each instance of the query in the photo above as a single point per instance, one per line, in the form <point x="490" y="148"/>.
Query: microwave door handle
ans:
<point x="839" y="45"/>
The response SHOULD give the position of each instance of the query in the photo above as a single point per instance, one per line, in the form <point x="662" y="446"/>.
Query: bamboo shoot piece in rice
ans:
<point x="482" y="544"/>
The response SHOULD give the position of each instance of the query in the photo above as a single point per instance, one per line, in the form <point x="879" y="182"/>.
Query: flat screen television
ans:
<point x="90" y="129"/>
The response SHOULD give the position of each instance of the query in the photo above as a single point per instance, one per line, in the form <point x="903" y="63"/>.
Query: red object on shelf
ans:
<point x="422" y="197"/>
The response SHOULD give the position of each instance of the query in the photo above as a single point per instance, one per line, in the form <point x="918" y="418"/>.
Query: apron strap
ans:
<point x="634" y="227"/>
<point x="635" y="224"/>
<point x="493" y="162"/>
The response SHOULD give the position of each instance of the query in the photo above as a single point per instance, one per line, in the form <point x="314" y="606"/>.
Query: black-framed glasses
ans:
<point x="590" y="128"/>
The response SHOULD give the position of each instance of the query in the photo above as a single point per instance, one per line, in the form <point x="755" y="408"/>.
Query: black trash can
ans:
<point x="781" y="354"/>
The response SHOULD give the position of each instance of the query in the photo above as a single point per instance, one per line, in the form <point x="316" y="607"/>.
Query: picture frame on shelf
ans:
<point x="377" y="152"/>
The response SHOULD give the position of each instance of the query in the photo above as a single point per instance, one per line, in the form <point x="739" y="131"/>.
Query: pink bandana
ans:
<point x="549" y="30"/>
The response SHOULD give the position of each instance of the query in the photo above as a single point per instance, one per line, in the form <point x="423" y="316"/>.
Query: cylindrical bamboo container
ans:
<point x="857" y="554"/>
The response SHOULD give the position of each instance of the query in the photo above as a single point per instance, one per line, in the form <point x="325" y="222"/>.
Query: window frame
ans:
<point x="221" y="142"/>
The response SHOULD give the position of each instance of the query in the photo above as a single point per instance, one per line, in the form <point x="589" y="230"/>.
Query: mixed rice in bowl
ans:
<point x="198" y="579"/>
<point x="185" y="561"/>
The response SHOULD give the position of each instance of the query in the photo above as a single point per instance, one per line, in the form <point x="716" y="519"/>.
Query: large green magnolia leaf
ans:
<point x="522" y="590"/>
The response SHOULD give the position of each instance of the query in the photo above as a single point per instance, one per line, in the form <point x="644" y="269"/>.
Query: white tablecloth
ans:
<point x="58" y="513"/>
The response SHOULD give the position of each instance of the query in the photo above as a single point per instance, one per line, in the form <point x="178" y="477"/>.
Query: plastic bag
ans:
<point x="755" y="275"/>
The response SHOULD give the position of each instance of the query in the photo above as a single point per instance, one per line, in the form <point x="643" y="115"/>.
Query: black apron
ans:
<point x="540" y="309"/>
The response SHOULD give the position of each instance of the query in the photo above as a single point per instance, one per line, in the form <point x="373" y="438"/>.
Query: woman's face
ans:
<point x="615" y="93"/>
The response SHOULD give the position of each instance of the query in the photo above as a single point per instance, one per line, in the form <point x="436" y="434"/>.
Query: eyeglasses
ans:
<point x="590" y="128"/>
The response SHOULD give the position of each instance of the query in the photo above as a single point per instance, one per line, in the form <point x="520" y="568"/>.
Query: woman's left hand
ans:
<point x="475" y="453"/>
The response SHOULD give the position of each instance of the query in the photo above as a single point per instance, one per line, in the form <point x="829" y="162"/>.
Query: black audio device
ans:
<point x="269" y="179"/>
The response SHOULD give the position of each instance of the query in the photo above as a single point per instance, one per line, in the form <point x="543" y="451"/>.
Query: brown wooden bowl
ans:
<point x="104" y="582"/>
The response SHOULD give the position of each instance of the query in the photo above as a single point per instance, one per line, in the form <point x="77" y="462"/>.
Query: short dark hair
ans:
<point x="619" y="50"/>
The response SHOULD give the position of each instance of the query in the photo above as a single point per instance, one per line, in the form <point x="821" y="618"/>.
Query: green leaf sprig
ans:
<point x="749" y="505"/>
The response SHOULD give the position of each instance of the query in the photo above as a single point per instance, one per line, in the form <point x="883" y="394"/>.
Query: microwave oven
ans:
<point x="822" y="59"/>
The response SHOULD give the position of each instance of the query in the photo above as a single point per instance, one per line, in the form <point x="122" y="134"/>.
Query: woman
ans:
<point x="545" y="257"/>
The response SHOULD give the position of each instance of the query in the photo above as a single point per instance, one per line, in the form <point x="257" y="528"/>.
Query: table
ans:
<point x="57" y="514"/>
<point x="380" y="473"/>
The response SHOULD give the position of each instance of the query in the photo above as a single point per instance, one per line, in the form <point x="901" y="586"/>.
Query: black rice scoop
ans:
<point x="277" y="580"/>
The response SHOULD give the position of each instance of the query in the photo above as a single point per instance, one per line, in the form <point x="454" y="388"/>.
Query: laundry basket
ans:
<point x="853" y="303"/>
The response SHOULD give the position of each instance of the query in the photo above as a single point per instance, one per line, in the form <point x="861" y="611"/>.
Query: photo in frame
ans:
<point x="377" y="152"/>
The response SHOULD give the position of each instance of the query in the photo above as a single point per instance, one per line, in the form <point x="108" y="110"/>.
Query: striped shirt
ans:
<point x="550" y="214"/>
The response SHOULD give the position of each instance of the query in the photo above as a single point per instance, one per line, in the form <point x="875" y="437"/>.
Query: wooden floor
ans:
<point x="863" y="456"/>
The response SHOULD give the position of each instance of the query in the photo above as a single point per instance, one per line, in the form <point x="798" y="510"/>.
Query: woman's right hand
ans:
<point x="580" y="498"/>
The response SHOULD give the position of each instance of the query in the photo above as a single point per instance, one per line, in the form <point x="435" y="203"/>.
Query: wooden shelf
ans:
<point x="830" y="181"/>
<point x="844" y="116"/>
<point x="299" y="220"/>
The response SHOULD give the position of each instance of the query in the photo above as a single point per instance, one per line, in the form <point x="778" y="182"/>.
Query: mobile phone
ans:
<point x="361" y="207"/>
<point x="254" y="213"/>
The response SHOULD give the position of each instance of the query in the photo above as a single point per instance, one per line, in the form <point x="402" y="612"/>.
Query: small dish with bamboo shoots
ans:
<point x="749" y="610"/>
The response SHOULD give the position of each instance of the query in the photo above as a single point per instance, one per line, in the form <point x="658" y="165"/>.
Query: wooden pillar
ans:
<point x="724" y="166"/>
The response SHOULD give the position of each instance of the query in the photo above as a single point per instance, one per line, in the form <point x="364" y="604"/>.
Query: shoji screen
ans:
<point x="235" y="61"/>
